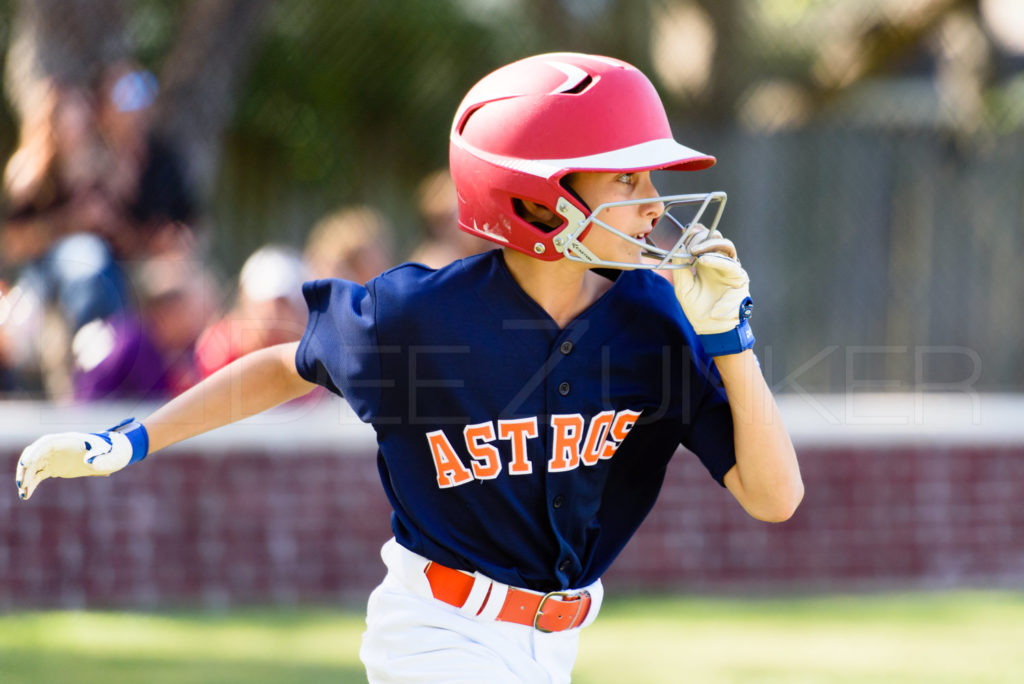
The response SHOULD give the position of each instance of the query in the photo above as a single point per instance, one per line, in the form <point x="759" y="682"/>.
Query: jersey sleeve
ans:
<point x="339" y="348"/>
<point x="710" y="435"/>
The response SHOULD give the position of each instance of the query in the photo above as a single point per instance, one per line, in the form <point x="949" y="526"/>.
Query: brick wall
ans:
<point x="239" y="516"/>
<point x="903" y="516"/>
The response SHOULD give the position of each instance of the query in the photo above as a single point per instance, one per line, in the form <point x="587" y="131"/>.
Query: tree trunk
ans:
<point x="731" y="70"/>
<point x="201" y="77"/>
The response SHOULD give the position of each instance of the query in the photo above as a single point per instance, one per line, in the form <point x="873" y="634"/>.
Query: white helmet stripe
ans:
<point x="574" y="76"/>
<point x="652" y="154"/>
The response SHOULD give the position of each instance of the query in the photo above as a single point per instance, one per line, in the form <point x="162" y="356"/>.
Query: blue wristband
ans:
<point x="732" y="341"/>
<point x="137" y="436"/>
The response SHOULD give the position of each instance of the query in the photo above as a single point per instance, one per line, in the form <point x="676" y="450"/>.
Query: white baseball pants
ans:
<point x="413" y="638"/>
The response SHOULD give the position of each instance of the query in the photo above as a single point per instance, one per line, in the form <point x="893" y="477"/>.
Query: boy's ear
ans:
<point x="538" y="213"/>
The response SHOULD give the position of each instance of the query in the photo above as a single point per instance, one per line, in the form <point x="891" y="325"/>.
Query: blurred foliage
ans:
<point x="8" y="126"/>
<point x="350" y="91"/>
<point x="842" y="128"/>
<point x="352" y="101"/>
<point x="357" y="98"/>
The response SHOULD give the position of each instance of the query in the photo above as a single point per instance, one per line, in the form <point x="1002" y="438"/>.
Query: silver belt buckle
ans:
<point x="559" y="594"/>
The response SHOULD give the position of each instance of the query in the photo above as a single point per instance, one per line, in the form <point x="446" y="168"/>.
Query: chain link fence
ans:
<point x="871" y="150"/>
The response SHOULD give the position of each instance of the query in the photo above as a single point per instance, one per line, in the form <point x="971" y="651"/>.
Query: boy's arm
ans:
<point x="766" y="478"/>
<point x="715" y="295"/>
<point x="243" y="388"/>
<point x="252" y="384"/>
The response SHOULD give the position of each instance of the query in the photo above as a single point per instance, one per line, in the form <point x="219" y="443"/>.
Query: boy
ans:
<point x="526" y="400"/>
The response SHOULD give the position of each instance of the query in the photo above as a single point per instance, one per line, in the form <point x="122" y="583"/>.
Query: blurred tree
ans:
<point x="618" y="28"/>
<point x="340" y="88"/>
<point x="731" y="67"/>
<point x="8" y="128"/>
<point x="71" y="41"/>
<point x="354" y="94"/>
<point x="202" y="76"/>
<point x="852" y="43"/>
<point x="880" y="45"/>
<point x="352" y="102"/>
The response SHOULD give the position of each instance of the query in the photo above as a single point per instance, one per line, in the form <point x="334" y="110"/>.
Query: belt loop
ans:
<point x="495" y="602"/>
<point x="477" y="595"/>
<point x="596" y="591"/>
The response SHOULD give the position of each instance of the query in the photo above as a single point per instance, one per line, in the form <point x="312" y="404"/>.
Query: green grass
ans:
<point x="935" y="638"/>
<point x="965" y="637"/>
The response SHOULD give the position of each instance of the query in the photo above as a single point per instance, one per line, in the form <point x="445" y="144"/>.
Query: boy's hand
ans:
<point x="80" y="454"/>
<point x="715" y="291"/>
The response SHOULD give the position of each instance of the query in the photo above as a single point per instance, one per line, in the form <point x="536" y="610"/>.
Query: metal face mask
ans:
<point x="662" y="248"/>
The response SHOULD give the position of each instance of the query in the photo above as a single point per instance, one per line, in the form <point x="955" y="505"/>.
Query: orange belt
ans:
<point x="554" y="611"/>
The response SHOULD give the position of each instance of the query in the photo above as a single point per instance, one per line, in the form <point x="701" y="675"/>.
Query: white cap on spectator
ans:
<point x="273" y="272"/>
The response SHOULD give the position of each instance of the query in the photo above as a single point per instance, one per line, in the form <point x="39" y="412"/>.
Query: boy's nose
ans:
<point x="654" y="208"/>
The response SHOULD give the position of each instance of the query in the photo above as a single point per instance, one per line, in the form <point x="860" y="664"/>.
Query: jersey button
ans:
<point x="566" y="347"/>
<point x="563" y="389"/>
<point x="558" y="501"/>
<point x="564" y="565"/>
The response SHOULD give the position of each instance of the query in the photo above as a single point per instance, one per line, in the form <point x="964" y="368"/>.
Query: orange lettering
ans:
<point x="599" y="426"/>
<point x="450" y="471"/>
<point x="565" y="443"/>
<point x="518" y="431"/>
<point x="624" y="422"/>
<point x="486" y="460"/>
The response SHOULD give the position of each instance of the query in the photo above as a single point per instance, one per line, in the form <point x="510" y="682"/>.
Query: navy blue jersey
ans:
<point x="508" y="445"/>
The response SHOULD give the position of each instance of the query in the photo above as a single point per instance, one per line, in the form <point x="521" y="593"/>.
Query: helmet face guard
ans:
<point x="662" y="248"/>
<point x="524" y="127"/>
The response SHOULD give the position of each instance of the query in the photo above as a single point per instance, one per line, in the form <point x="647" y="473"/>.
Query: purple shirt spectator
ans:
<point x="115" y="359"/>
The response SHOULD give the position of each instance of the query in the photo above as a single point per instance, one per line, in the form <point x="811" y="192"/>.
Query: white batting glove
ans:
<point x="80" y="454"/>
<point x="715" y="292"/>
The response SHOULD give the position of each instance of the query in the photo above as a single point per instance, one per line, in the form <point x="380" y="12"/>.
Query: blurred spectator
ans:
<point x="179" y="299"/>
<point x="269" y="309"/>
<point x="74" y="282"/>
<point x="444" y="241"/>
<point x="89" y="185"/>
<point x="79" y="282"/>
<point x="355" y="243"/>
<point x="146" y="349"/>
<point x="8" y="379"/>
<point x="51" y="183"/>
<point x="54" y="206"/>
<point x="146" y="177"/>
<point x="21" y="324"/>
<point x="115" y="357"/>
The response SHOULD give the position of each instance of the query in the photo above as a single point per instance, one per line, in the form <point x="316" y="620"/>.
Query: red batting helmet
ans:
<point x="523" y="128"/>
